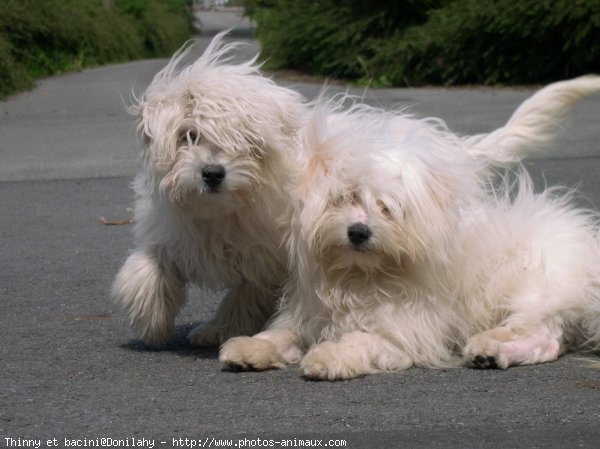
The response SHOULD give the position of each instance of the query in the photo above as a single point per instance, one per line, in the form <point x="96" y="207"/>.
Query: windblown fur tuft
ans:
<point x="535" y="123"/>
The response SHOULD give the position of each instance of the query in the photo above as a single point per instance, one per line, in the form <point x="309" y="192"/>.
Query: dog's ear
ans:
<point x="313" y="154"/>
<point x="432" y="196"/>
<point x="157" y="127"/>
<point x="145" y="138"/>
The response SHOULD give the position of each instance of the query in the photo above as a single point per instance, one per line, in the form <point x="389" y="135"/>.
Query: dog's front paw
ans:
<point x="314" y="365"/>
<point x="484" y="351"/>
<point x="250" y="353"/>
<point x="326" y="362"/>
<point x="501" y="347"/>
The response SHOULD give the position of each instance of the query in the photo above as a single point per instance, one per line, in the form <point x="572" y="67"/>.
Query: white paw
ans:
<point x="323" y="362"/>
<point x="484" y="351"/>
<point x="314" y="365"/>
<point x="501" y="348"/>
<point x="249" y="353"/>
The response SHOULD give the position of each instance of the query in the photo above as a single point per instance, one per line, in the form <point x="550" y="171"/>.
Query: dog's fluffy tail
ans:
<point x="535" y="122"/>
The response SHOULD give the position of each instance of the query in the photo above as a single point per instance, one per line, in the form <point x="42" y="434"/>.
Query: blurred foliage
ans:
<point x="432" y="42"/>
<point x="163" y="24"/>
<point x="496" y="41"/>
<point x="43" y="37"/>
<point x="330" y="37"/>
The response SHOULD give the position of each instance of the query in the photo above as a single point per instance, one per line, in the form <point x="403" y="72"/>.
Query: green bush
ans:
<point x="42" y="37"/>
<point x="425" y="42"/>
<point x="495" y="41"/>
<point x="163" y="25"/>
<point x="329" y="37"/>
<point x="12" y="75"/>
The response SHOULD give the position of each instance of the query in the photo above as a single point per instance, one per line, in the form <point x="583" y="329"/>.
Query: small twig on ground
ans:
<point x="115" y="222"/>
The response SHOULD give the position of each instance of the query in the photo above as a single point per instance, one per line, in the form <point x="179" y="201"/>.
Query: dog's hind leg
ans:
<point x="244" y="311"/>
<point x="502" y="347"/>
<point x="151" y="294"/>
<point x="355" y="354"/>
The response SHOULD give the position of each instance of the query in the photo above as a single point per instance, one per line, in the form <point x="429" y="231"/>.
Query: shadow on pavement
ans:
<point x="178" y="344"/>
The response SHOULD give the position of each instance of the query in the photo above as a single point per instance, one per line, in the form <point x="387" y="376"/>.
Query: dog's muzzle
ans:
<point x="359" y="234"/>
<point x="213" y="175"/>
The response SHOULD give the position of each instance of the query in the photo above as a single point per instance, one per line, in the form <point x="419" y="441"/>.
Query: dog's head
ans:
<point x="215" y="131"/>
<point x="377" y="192"/>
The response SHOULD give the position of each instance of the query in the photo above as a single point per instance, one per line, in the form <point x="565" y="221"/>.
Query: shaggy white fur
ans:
<point x="218" y="143"/>
<point x="404" y="252"/>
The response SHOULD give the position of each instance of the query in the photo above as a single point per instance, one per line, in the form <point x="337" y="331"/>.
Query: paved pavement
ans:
<point x="70" y="367"/>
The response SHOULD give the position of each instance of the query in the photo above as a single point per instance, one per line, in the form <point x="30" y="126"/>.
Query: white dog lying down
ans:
<point x="218" y="140"/>
<point x="404" y="253"/>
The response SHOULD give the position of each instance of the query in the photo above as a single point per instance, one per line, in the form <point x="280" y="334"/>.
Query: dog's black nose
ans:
<point x="213" y="174"/>
<point x="359" y="233"/>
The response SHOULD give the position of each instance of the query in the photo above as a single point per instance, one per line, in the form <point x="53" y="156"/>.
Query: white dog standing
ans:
<point x="403" y="253"/>
<point x="218" y="139"/>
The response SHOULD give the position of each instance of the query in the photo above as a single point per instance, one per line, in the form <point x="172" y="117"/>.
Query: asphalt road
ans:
<point x="71" y="368"/>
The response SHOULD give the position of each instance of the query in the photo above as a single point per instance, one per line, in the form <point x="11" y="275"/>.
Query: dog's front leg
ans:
<point x="355" y="354"/>
<point x="268" y="350"/>
<point x="151" y="294"/>
<point x="244" y="311"/>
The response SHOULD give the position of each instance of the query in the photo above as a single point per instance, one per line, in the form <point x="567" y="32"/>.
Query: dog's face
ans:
<point x="215" y="133"/>
<point x="349" y="220"/>
<point x="202" y="159"/>
<point x="370" y="201"/>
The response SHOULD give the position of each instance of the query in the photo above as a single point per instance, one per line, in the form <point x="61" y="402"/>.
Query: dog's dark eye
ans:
<point x="385" y="211"/>
<point x="190" y="135"/>
<point x="338" y="200"/>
